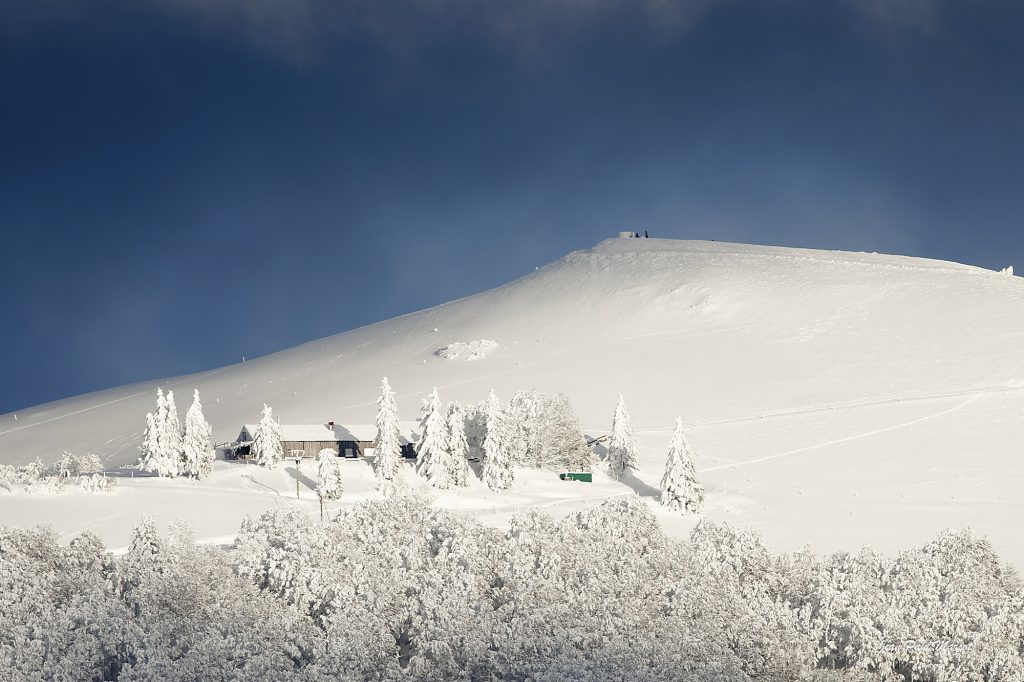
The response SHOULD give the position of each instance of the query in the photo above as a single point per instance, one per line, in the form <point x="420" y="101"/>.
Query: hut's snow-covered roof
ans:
<point x="322" y="432"/>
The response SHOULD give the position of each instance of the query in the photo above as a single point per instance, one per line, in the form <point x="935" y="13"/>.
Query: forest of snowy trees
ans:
<point x="396" y="589"/>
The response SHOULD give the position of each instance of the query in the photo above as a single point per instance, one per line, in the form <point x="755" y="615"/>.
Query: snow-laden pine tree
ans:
<point x="387" y="447"/>
<point x="680" y="489"/>
<point x="171" y="445"/>
<point x="431" y="454"/>
<point x="475" y="430"/>
<point x="149" y="451"/>
<point x="328" y="475"/>
<point x="497" y="467"/>
<point x="198" y="442"/>
<point x="457" y="445"/>
<point x="621" y="446"/>
<point x="159" y="452"/>
<point x="266" y="442"/>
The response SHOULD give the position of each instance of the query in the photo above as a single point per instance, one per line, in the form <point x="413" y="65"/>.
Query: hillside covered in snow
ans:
<point x="832" y="398"/>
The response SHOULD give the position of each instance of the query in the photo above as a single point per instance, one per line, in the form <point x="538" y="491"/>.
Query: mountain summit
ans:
<point x="798" y="373"/>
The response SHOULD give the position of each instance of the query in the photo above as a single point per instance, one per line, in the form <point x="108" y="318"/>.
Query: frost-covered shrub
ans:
<point x="70" y="465"/>
<point x="90" y="464"/>
<point x="8" y="477"/>
<point x="96" y="483"/>
<point x="37" y="479"/>
<point x="328" y="475"/>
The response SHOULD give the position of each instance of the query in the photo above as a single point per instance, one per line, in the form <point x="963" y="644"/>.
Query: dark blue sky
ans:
<point x="186" y="181"/>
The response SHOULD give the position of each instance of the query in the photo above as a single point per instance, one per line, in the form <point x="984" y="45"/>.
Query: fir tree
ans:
<point x="680" y="489"/>
<point x="158" y="453"/>
<point x="160" y="423"/>
<point x="431" y="454"/>
<point x="149" y="451"/>
<point x="457" y="445"/>
<point x="621" y="446"/>
<point x="387" y="446"/>
<point x="328" y="475"/>
<point x="266" y="442"/>
<point x="497" y="468"/>
<point x="171" y="445"/>
<point x="198" y="446"/>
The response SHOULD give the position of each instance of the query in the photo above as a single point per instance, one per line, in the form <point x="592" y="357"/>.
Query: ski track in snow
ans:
<point x="263" y="488"/>
<point x="90" y="408"/>
<point x="836" y="441"/>
<point x="798" y="411"/>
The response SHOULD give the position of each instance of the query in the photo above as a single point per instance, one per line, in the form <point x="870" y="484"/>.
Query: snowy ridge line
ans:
<point x="836" y="441"/>
<point x="196" y="377"/>
<point x="948" y="266"/>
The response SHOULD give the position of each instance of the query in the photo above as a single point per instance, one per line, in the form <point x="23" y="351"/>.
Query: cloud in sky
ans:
<point x="895" y="15"/>
<point x="299" y="29"/>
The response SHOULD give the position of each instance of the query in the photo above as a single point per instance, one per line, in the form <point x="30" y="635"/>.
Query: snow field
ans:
<point x="833" y="398"/>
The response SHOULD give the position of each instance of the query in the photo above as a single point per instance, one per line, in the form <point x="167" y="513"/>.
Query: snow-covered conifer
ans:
<point x="497" y="467"/>
<point x="457" y="445"/>
<point x="680" y="488"/>
<point x="158" y="450"/>
<point x="475" y="430"/>
<point x="266" y="442"/>
<point x="198" y="447"/>
<point x="431" y="454"/>
<point x="95" y="483"/>
<point x="67" y="466"/>
<point x="328" y="475"/>
<point x="387" y="447"/>
<point x="149" y="451"/>
<point x="171" y="446"/>
<point x="621" y="447"/>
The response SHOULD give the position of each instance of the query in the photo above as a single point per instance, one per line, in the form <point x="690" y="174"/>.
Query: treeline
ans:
<point x="398" y="590"/>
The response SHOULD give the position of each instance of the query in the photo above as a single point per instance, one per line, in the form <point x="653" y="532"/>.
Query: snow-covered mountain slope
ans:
<point x="838" y="398"/>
